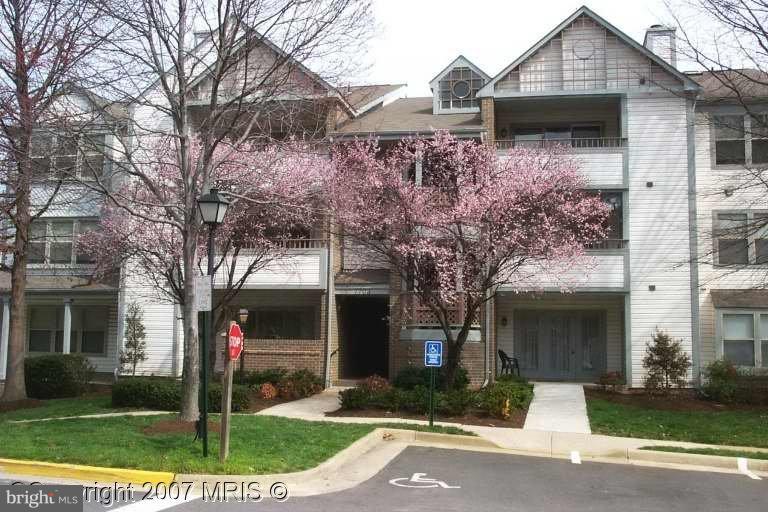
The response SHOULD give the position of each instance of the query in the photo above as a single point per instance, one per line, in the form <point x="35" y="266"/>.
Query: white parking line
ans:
<point x="741" y="464"/>
<point x="575" y="457"/>
<point x="155" y="505"/>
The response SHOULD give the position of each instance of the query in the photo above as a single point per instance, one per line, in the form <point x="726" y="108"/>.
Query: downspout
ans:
<point x="329" y="301"/>
<point x="693" y="266"/>
<point x="487" y="359"/>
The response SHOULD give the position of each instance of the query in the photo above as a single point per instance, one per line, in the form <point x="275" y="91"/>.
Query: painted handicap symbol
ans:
<point x="419" y="481"/>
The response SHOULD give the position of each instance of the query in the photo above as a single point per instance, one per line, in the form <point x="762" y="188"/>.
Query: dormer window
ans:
<point x="455" y="88"/>
<point x="458" y="89"/>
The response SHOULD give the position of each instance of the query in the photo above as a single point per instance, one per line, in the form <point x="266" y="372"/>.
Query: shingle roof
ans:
<point x="740" y="298"/>
<point x="732" y="85"/>
<point x="410" y="115"/>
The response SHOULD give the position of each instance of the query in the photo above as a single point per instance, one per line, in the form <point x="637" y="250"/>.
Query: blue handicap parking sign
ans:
<point x="433" y="353"/>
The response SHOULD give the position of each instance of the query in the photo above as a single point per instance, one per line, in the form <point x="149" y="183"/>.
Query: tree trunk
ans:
<point x="190" y="375"/>
<point x="15" y="387"/>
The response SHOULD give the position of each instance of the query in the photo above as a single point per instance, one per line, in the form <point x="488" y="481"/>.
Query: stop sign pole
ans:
<point x="234" y="349"/>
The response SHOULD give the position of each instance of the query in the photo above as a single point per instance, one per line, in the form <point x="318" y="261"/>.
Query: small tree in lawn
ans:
<point x="135" y="346"/>
<point x="473" y="222"/>
<point x="666" y="364"/>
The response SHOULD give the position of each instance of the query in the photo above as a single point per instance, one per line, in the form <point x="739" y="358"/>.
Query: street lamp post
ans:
<point x="213" y="206"/>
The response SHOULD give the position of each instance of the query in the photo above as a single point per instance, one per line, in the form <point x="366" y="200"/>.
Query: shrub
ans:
<point x="501" y="398"/>
<point x="611" y="379"/>
<point x="412" y="376"/>
<point x="240" y="400"/>
<point x="256" y="379"/>
<point x="135" y="334"/>
<point x="456" y="402"/>
<point x="299" y="384"/>
<point x="57" y="375"/>
<point x="165" y="394"/>
<point x="726" y="383"/>
<point x="666" y="364"/>
<point x="375" y="383"/>
<point x="355" y="398"/>
<point x="268" y="391"/>
<point x="721" y="381"/>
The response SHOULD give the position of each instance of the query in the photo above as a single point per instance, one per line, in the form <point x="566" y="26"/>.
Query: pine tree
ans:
<point x="134" y="347"/>
<point x="666" y="363"/>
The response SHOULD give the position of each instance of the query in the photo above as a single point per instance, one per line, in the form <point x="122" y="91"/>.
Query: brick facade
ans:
<point x="488" y="117"/>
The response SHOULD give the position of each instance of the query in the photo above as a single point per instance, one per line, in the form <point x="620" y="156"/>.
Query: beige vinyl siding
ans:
<point x="711" y="183"/>
<point x="658" y="222"/>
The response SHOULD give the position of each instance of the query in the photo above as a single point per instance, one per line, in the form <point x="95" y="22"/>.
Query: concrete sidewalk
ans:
<point x="558" y="407"/>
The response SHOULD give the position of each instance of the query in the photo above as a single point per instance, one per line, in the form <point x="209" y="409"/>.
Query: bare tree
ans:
<point x="43" y="47"/>
<point x="215" y="76"/>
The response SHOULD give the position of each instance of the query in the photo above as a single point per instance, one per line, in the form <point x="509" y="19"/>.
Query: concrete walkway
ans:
<point x="558" y="407"/>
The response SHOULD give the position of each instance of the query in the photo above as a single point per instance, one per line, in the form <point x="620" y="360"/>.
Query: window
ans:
<point x="52" y="241"/>
<point x="88" y="333"/>
<point x="61" y="157"/>
<point x="730" y="140"/>
<point x="281" y="324"/>
<point x="577" y="136"/>
<point x="458" y="88"/>
<point x="739" y="339"/>
<point x="741" y="238"/>
<point x="741" y="139"/>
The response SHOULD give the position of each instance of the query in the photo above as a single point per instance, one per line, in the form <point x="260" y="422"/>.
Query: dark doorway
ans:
<point x="364" y="336"/>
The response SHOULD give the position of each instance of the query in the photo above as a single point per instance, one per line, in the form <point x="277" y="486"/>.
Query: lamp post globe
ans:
<point x="213" y="206"/>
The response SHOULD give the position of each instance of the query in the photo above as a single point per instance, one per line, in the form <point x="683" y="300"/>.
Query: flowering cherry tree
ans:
<point x="467" y="221"/>
<point x="273" y="191"/>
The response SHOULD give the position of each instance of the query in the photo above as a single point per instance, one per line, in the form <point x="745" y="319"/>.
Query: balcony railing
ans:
<point x="577" y="143"/>
<point x="302" y="243"/>
<point x="610" y="243"/>
<point x="417" y="314"/>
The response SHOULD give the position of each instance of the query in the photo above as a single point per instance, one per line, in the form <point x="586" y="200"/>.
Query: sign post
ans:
<point x="433" y="358"/>
<point x="234" y="349"/>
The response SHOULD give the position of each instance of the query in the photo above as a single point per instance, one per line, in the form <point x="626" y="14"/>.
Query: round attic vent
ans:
<point x="461" y="89"/>
<point x="583" y="49"/>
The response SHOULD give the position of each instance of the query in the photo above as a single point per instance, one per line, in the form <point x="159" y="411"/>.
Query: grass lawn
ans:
<point x="723" y="452"/>
<point x="89" y="404"/>
<point x="735" y="427"/>
<point x="437" y="429"/>
<point x="259" y="444"/>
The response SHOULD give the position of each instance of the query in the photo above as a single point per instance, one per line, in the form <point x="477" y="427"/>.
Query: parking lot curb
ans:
<point x="79" y="472"/>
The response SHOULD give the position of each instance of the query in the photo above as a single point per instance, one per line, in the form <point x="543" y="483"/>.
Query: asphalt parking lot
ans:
<point x="431" y="479"/>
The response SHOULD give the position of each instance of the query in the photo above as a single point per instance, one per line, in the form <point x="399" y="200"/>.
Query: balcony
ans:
<point x="299" y="264"/>
<point x="590" y="128"/>
<point x="416" y="315"/>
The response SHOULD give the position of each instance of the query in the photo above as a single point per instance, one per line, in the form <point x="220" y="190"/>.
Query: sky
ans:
<point x="416" y="39"/>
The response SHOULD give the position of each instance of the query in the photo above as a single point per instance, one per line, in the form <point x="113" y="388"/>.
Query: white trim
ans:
<point x="757" y="336"/>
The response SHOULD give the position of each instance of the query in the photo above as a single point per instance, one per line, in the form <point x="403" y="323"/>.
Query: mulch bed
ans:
<point x="176" y="426"/>
<point x="683" y="400"/>
<point x="28" y="403"/>
<point x="516" y="420"/>
<point x="258" y="404"/>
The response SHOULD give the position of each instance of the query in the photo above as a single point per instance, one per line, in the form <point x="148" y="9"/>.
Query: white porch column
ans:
<point x="67" y="325"/>
<point x="4" y="331"/>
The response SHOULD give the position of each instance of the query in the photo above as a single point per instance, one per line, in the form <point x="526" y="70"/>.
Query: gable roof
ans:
<point x="365" y="97"/>
<point x="461" y="60"/>
<point x="689" y="84"/>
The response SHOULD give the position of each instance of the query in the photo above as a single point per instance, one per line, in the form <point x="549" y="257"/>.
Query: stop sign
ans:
<point x="235" y="342"/>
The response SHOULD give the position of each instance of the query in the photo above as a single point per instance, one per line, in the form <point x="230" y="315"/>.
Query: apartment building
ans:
<point x="643" y="132"/>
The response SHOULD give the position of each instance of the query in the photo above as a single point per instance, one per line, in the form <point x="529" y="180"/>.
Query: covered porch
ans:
<point x="562" y="337"/>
